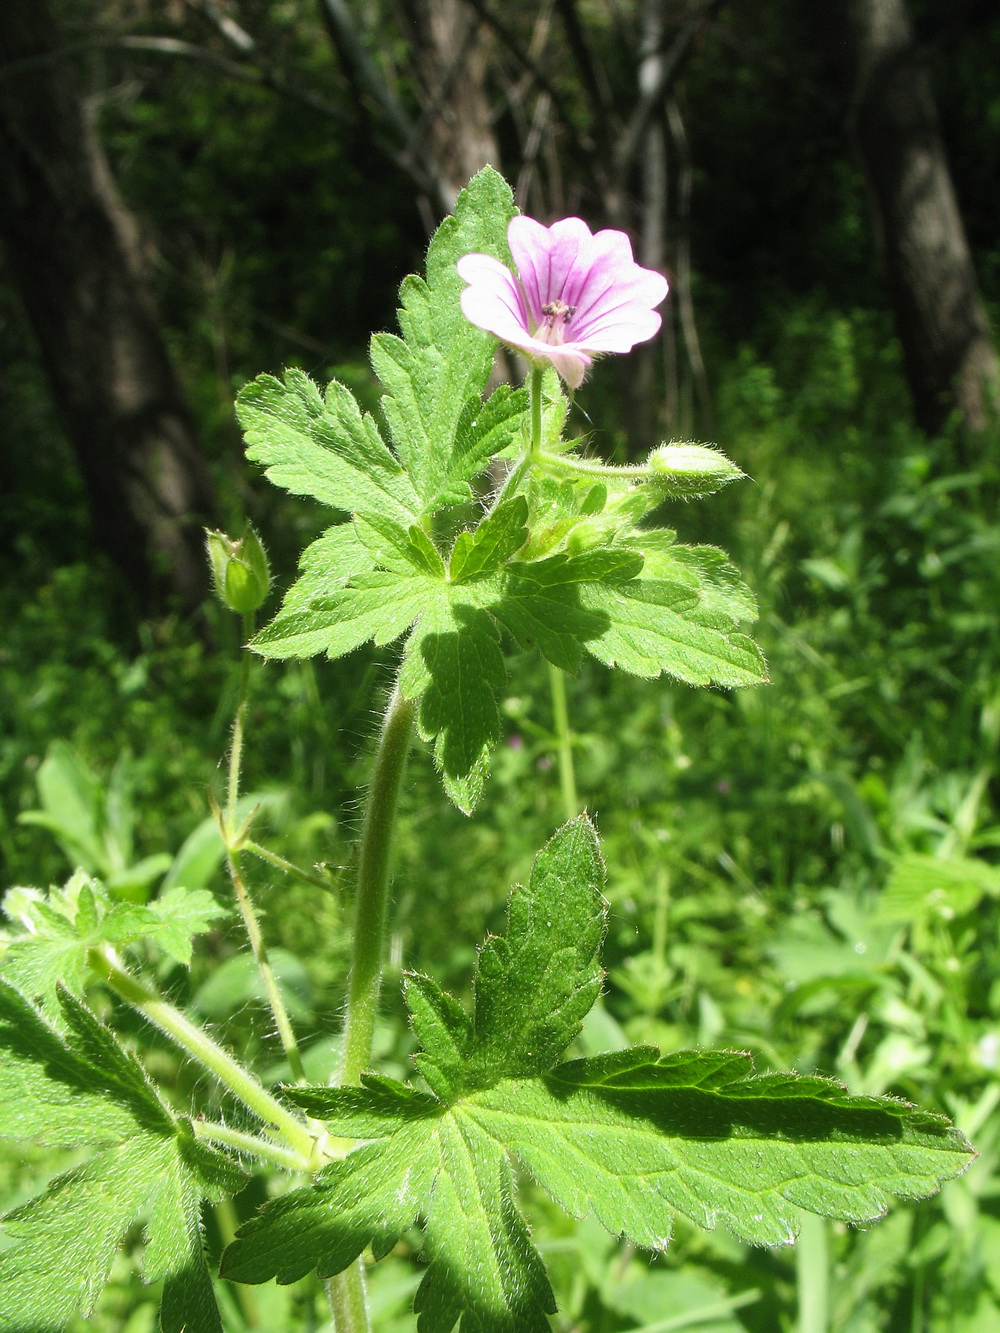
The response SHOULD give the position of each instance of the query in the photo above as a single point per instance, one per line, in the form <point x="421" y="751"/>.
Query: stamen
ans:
<point x="553" y="310"/>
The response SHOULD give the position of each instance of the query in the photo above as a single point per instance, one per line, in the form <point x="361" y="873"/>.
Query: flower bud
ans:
<point x="687" y="470"/>
<point x="239" y="570"/>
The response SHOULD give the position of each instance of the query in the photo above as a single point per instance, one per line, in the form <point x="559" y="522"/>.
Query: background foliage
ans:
<point x="805" y="871"/>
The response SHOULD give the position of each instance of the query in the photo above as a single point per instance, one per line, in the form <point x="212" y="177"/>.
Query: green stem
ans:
<point x="250" y="919"/>
<point x="812" y="1273"/>
<point x="236" y="749"/>
<point x="274" y="998"/>
<point x="249" y="1144"/>
<point x="240" y="1082"/>
<point x="535" y="394"/>
<point x="373" y="886"/>
<point x="564" y="739"/>
<point x="346" y="1291"/>
<point x="348" y="1300"/>
<point x="317" y="881"/>
<point x="592" y="468"/>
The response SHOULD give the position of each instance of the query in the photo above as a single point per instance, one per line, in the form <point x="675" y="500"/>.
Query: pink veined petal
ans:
<point x="604" y="260"/>
<point x="615" y="280"/>
<point x="544" y="257"/>
<point x="614" y="335"/>
<point x="493" y="300"/>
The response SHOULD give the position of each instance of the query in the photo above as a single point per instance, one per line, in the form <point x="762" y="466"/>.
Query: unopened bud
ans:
<point x="239" y="570"/>
<point x="685" y="471"/>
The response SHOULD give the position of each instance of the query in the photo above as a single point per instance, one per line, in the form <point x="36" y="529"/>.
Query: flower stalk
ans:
<point x="232" y="837"/>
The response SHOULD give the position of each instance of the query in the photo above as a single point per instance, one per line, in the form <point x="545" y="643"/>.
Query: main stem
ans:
<point x="564" y="742"/>
<point x="346" y="1291"/>
<point x="370" y="912"/>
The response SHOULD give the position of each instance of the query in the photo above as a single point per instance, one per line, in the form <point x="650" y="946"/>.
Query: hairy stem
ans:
<point x="535" y="392"/>
<point x="348" y="1300"/>
<point x="812" y="1273"/>
<point x="277" y="1119"/>
<point x="374" y="858"/>
<point x="250" y="919"/>
<point x="564" y="742"/>
<point x="593" y="467"/>
<point x="314" y="878"/>
<point x="274" y="998"/>
<point x="346" y="1291"/>
<point x="249" y="1144"/>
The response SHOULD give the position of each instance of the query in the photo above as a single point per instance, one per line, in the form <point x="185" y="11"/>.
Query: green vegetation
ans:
<point x="806" y="871"/>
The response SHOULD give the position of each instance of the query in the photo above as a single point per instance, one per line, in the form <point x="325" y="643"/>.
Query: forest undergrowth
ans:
<point x="807" y="871"/>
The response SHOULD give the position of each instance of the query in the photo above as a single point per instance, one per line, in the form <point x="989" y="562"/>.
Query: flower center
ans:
<point x="556" y="315"/>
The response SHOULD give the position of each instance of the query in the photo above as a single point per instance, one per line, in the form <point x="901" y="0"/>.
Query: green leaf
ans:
<point x="149" y="1167"/>
<point x="61" y="927"/>
<point x="483" y="431"/>
<point x="483" y="1265"/>
<point x="71" y="796"/>
<point x="435" y="374"/>
<point x="654" y="627"/>
<point x="724" y="600"/>
<point x="459" y="707"/>
<point x="500" y="535"/>
<point x="381" y="606"/>
<point x="402" y="550"/>
<point x="327" y="564"/>
<point x="931" y="887"/>
<point x="630" y="1137"/>
<point x="322" y="446"/>
<point x="49" y="1093"/>
<point x="535" y="984"/>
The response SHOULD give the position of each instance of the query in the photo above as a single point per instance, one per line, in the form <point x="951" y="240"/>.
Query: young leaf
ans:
<point x="149" y="1167"/>
<point x="61" y="927"/>
<point x="500" y="535"/>
<point x="632" y="1137"/>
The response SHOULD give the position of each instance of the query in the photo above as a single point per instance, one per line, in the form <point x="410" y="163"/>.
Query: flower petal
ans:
<point x="546" y="258"/>
<point x="493" y="300"/>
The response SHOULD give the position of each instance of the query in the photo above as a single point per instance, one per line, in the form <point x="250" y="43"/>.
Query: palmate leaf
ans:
<point x="85" y="1089"/>
<point x="633" y="1138"/>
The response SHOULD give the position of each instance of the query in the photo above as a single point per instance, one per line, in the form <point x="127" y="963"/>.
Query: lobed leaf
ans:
<point x="434" y="375"/>
<point x="89" y="1090"/>
<point x="322" y="446"/>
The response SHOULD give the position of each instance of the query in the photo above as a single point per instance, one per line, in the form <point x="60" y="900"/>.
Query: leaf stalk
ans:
<point x="278" y="1120"/>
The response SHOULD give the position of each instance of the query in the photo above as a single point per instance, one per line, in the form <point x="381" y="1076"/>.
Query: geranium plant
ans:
<point x="460" y="523"/>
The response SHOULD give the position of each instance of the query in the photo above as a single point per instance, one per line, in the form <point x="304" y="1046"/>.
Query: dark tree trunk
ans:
<point x="71" y="250"/>
<point x="950" y="358"/>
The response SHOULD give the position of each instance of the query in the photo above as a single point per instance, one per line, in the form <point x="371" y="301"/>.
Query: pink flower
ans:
<point x="575" y="294"/>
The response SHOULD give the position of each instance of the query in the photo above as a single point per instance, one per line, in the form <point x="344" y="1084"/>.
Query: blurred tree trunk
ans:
<point x="453" y="57"/>
<point x="72" y="250"/>
<point x="950" y="358"/>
